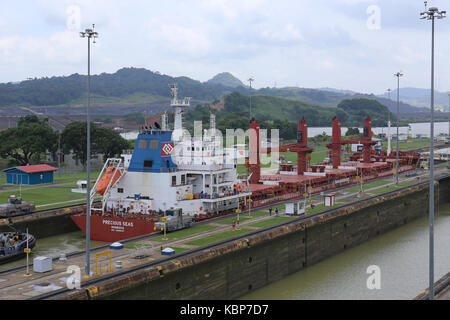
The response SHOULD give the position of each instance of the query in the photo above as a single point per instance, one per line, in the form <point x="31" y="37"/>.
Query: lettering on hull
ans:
<point x="118" y="226"/>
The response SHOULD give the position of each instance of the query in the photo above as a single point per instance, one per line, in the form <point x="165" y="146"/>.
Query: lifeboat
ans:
<point x="104" y="181"/>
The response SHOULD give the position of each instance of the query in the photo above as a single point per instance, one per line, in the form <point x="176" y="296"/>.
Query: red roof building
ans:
<point x="30" y="175"/>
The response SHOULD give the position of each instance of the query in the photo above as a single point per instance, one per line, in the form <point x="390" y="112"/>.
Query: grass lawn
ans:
<point x="243" y="216"/>
<point x="316" y="157"/>
<point x="229" y="221"/>
<point x="73" y="177"/>
<point x="46" y="195"/>
<point x="218" y="237"/>
<point x="184" y="233"/>
<point x="409" y="144"/>
<point x="369" y="185"/>
<point x="392" y="188"/>
<point x="270" y="222"/>
<point x="135" y="245"/>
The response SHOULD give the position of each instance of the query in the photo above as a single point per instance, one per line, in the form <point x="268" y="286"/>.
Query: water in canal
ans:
<point x="401" y="254"/>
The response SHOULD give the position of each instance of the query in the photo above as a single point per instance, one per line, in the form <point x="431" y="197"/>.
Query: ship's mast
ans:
<point x="178" y="105"/>
<point x="212" y="126"/>
<point x="164" y="126"/>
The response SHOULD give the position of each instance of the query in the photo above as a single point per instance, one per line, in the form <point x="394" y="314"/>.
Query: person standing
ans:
<point x="270" y="211"/>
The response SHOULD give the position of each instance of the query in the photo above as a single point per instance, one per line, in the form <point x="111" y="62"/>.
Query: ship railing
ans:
<point x="203" y="167"/>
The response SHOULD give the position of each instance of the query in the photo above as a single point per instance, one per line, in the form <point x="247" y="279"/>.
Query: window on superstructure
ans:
<point x="153" y="144"/>
<point x="174" y="180"/>
<point x="119" y="190"/>
<point x="183" y="179"/>
<point x="148" y="163"/>
<point x="142" y="144"/>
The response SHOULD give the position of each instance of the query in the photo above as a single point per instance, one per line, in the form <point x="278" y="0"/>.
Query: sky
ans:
<point x="344" y="44"/>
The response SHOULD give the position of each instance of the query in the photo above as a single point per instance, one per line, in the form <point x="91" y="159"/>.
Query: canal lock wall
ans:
<point x="44" y="224"/>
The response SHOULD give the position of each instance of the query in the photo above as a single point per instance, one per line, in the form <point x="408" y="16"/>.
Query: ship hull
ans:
<point x="112" y="229"/>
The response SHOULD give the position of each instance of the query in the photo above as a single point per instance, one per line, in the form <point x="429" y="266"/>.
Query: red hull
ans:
<point x="112" y="229"/>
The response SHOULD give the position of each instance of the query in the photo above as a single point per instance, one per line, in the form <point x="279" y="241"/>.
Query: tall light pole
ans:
<point x="88" y="33"/>
<point x="449" y="116"/>
<point x="389" y="124"/>
<point x="398" y="75"/>
<point x="431" y="14"/>
<point x="250" y="80"/>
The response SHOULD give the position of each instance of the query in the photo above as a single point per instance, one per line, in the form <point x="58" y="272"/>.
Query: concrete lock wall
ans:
<point x="44" y="224"/>
<point x="236" y="269"/>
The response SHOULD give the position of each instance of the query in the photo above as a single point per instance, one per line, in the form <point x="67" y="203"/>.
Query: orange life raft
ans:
<point x="104" y="181"/>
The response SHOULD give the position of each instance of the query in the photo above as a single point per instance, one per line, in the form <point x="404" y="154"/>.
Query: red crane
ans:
<point x="301" y="147"/>
<point x="337" y="142"/>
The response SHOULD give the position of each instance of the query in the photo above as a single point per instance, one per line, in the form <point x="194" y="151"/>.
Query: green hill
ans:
<point x="358" y="109"/>
<point x="226" y="79"/>
<point x="130" y="86"/>
<point x="118" y="87"/>
<point x="284" y="114"/>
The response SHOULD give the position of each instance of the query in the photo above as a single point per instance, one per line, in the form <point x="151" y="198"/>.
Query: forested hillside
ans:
<point x="283" y="114"/>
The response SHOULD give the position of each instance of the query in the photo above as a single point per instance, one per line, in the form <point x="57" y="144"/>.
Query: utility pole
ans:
<point x="88" y="33"/>
<point x="431" y="14"/>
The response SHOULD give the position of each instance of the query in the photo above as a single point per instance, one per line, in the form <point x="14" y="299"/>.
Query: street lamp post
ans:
<point x="389" y="124"/>
<point x="449" y="116"/>
<point x="88" y="33"/>
<point x="398" y="75"/>
<point x="431" y="14"/>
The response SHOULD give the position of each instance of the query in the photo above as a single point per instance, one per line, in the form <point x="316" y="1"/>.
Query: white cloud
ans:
<point x="288" y="33"/>
<point x="310" y="43"/>
<point x="179" y="39"/>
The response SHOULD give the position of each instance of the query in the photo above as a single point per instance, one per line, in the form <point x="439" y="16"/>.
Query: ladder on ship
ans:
<point x="116" y="163"/>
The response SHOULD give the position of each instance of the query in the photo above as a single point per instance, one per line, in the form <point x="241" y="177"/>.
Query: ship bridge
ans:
<point x="153" y="152"/>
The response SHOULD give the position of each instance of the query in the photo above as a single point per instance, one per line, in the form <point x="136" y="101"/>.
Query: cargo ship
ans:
<point x="137" y="189"/>
<point x="168" y="172"/>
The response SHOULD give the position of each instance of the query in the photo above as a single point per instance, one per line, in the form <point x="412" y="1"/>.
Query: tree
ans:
<point x="103" y="141"/>
<point x="28" y="140"/>
<point x="110" y="143"/>
<point x="359" y="109"/>
<point x="73" y="139"/>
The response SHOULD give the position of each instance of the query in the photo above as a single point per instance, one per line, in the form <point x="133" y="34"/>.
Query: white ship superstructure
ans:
<point x="167" y="171"/>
